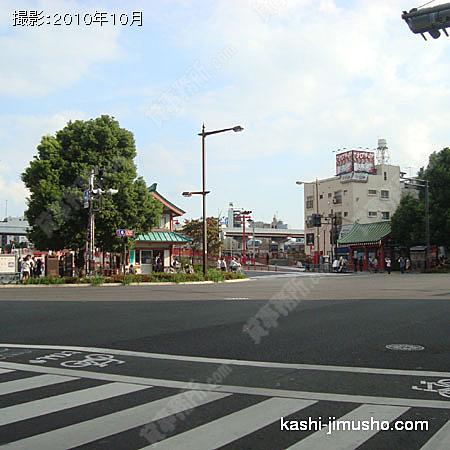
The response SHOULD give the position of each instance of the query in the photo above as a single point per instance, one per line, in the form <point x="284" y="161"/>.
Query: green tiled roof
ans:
<point x="366" y="233"/>
<point x="163" y="236"/>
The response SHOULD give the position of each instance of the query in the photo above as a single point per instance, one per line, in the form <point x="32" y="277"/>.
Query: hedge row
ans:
<point x="158" y="277"/>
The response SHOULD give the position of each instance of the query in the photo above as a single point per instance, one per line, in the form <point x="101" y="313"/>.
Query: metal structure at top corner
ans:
<point x="428" y="20"/>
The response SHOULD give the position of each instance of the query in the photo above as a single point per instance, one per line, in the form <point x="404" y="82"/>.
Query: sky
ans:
<point x="303" y="77"/>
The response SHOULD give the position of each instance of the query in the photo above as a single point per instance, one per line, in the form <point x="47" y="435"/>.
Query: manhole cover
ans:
<point x="405" y="347"/>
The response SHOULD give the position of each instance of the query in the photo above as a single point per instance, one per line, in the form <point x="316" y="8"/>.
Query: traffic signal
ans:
<point x="317" y="220"/>
<point x="428" y="20"/>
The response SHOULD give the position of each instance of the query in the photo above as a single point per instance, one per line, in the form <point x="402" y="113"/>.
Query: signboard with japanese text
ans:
<point x="363" y="162"/>
<point x="8" y="263"/>
<point x="121" y="232"/>
<point x="355" y="161"/>
<point x="344" y="163"/>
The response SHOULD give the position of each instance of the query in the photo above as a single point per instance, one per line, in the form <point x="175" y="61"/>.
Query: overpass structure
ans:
<point x="278" y="234"/>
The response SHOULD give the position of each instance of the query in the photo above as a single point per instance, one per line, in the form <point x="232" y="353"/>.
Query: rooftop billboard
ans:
<point x="355" y="161"/>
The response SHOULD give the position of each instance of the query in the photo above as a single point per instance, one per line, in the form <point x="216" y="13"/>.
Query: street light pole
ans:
<point x="204" y="192"/>
<point x="205" y="229"/>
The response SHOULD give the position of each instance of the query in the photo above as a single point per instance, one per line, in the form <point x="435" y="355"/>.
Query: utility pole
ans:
<point x="318" y="229"/>
<point x="90" y="240"/>
<point x="427" y="223"/>
<point x="245" y="215"/>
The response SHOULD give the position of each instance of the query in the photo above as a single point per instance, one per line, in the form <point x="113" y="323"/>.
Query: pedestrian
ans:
<point x="388" y="264"/>
<point x="402" y="263"/>
<point x="26" y="268"/>
<point x="223" y="265"/>
<point x="361" y="264"/>
<point x="375" y="264"/>
<point x="131" y="270"/>
<point x="38" y="268"/>
<point x="407" y="265"/>
<point x="355" y="264"/>
<point x="335" y="265"/>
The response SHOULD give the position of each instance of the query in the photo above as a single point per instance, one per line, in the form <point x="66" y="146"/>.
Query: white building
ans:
<point x="362" y="192"/>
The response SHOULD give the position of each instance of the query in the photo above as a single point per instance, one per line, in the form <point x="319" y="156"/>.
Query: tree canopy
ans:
<point x="59" y="173"/>
<point x="408" y="222"/>
<point x="194" y="229"/>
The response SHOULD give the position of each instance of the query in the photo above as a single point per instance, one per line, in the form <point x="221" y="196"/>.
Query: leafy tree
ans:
<point x="194" y="229"/>
<point x="438" y="175"/>
<point x="408" y="222"/>
<point x="59" y="174"/>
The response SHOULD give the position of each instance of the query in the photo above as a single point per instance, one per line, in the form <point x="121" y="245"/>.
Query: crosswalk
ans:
<point x="50" y="412"/>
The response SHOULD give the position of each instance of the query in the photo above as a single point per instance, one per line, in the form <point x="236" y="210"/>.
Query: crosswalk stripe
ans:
<point x="5" y="371"/>
<point x="24" y="384"/>
<point x="348" y="439"/>
<point x="233" y="426"/>
<point x="91" y="430"/>
<point x="440" y="439"/>
<point x="48" y="405"/>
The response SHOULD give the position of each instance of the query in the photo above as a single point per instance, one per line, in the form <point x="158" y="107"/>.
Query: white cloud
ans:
<point x="40" y="60"/>
<point x="318" y="76"/>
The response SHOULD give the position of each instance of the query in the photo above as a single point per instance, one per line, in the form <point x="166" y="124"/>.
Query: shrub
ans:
<point x="96" y="280"/>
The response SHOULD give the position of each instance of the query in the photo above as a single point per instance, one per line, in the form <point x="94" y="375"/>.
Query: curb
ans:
<point x="87" y="285"/>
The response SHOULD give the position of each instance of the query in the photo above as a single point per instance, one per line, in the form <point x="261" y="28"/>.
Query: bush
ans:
<point x="44" y="280"/>
<point x="96" y="280"/>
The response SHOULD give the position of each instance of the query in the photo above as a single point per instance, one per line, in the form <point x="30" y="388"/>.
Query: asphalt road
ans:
<point x="249" y="353"/>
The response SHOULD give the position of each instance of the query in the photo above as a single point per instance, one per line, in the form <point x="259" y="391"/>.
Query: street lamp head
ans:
<point x="237" y="129"/>
<point x="299" y="182"/>
<point x="186" y="194"/>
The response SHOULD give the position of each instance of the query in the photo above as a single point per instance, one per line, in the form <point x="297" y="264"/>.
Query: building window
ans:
<point x="385" y="215"/>
<point x="321" y="196"/>
<point x="337" y="199"/>
<point x="329" y="194"/>
<point x="309" y="222"/>
<point x="339" y="218"/>
<point x="385" y="176"/>
<point x="345" y="213"/>
<point x="372" y="192"/>
<point x="372" y="214"/>
<point x="384" y="194"/>
<point x="310" y="202"/>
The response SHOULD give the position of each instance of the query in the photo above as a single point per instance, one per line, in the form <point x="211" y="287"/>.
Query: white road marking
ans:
<point x="349" y="440"/>
<point x="227" y="429"/>
<point x="5" y="371"/>
<point x="91" y="430"/>
<point x="238" y="362"/>
<point x="49" y="405"/>
<point x="31" y="383"/>
<point x="440" y="439"/>
<point x="237" y="298"/>
<point x="317" y="396"/>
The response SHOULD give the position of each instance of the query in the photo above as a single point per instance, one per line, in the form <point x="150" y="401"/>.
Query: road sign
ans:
<point x="121" y="232"/>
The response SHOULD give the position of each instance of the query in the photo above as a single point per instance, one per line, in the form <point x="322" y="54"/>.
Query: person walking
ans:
<point x="375" y="264"/>
<point x="26" y="268"/>
<point x="361" y="264"/>
<point x="223" y="265"/>
<point x="335" y="265"/>
<point x="402" y="263"/>
<point x="388" y="264"/>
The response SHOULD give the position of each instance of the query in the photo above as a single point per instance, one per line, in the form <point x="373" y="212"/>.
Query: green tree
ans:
<point x="194" y="229"/>
<point x="438" y="175"/>
<point x="58" y="175"/>
<point x="408" y="222"/>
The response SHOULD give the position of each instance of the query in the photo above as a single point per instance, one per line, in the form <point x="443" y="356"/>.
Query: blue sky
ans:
<point x="303" y="77"/>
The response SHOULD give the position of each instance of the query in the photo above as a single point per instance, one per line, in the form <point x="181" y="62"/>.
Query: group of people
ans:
<point x="340" y="265"/>
<point x="30" y="266"/>
<point x="234" y="264"/>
